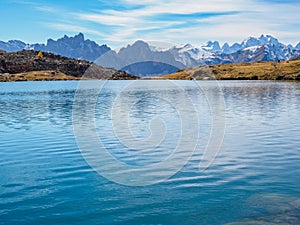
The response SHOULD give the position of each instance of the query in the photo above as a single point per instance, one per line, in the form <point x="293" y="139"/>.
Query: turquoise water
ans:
<point x="255" y="177"/>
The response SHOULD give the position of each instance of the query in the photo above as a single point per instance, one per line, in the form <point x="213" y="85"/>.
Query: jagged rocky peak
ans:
<point x="135" y="48"/>
<point x="79" y="37"/>
<point x="16" y="42"/>
<point x="12" y="45"/>
<point x="225" y="45"/>
<point x="140" y="44"/>
<point x="268" y="39"/>
<point x="250" y="42"/>
<point x="212" y="46"/>
<point x="262" y="40"/>
<point x="74" y="47"/>
<point x="50" y="41"/>
<point x="234" y="48"/>
<point x="225" y="48"/>
<point x="298" y="46"/>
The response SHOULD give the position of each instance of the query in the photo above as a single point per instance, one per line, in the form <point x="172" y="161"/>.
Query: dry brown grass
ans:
<point x="46" y="75"/>
<point x="285" y="70"/>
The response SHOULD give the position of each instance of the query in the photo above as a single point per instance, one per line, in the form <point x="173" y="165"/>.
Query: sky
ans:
<point x="121" y="22"/>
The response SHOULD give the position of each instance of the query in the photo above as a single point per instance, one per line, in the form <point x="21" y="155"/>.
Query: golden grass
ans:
<point x="46" y="75"/>
<point x="285" y="70"/>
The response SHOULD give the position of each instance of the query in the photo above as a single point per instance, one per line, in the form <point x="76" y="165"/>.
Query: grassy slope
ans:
<point x="285" y="70"/>
<point x="45" y="75"/>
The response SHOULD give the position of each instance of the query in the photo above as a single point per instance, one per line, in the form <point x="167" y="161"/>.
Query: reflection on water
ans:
<point x="265" y="99"/>
<point x="21" y="109"/>
<point x="254" y="179"/>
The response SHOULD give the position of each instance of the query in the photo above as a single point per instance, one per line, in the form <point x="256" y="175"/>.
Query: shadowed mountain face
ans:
<point x="73" y="47"/>
<point x="12" y="46"/>
<point x="150" y="68"/>
<point x="136" y="58"/>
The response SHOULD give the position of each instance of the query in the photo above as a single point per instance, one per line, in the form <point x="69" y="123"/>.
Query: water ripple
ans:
<point x="254" y="179"/>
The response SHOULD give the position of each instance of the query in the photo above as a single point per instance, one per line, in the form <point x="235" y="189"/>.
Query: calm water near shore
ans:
<point x="255" y="177"/>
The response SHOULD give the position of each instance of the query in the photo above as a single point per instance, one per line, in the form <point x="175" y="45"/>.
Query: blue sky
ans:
<point x="121" y="22"/>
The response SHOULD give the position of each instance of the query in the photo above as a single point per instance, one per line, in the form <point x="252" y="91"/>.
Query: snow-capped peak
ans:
<point x="212" y="46"/>
<point x="253" y="49"/>
<point x="251" y="41"/>
<point x="268" y="39"/>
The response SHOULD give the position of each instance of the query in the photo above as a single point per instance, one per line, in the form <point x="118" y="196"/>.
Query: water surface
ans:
<point x="254" y="178"/>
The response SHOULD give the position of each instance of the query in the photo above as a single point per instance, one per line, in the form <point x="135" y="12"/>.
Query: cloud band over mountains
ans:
<point x="118" y="22"/>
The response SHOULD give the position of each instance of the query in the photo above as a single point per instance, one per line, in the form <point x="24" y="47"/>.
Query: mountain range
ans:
<point x="142" y="59"/>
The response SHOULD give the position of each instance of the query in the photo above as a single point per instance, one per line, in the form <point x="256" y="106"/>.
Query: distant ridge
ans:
<point x="76" y="47"/>
<point x="142" y="59"/>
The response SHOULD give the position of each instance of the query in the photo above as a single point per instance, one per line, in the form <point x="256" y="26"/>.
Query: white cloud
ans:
<point x="74" y="28"/>
<point x="45" y="9"/>
<point x="108" y="19"/>
<point x="253" y="18"/>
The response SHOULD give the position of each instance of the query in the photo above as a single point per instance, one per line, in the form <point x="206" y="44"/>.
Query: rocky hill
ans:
<point x="284" y="70"/>
<point x="32" y="61"/>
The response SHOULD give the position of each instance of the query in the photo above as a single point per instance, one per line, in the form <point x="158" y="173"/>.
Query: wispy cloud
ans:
<point x="45" y="9"/>
<point x="74" y="28"/>
<point x="108" y="19"/>
<point x="182" y="21"/>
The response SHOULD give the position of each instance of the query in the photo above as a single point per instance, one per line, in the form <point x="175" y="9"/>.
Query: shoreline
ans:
<point x="272" y="71"/>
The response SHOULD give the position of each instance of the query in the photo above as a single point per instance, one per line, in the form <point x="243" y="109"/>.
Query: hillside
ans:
<point x="285" y="70"/>
<point x="28" y="65"/>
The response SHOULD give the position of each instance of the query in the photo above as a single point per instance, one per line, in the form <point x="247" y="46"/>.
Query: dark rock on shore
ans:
<point x="121" y="75"/>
